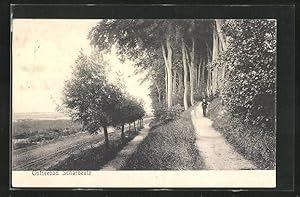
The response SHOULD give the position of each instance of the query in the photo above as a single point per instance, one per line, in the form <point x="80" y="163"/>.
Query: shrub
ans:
<point x="164" y="114"/>
<point x="19" y="145"/>
<point x="250" y="60"/>
<point x="248" y="139"/>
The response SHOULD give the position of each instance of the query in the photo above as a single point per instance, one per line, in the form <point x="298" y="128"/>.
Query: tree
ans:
<point x="129" y="110"/>
<point x="121" y="115"/>
<point x="88" y="96"/>
<point x="185" y="75"/>
<point x="194" y="35"/>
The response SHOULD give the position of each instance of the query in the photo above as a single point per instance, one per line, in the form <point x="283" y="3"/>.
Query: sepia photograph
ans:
<point x="144" y="97"/>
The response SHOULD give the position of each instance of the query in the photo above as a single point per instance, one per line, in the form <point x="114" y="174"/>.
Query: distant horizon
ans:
<point x="43" y="115"/>
<point x="48" y="112"/>
<point x="37" y="112"/>
<point x="39" y="115"/>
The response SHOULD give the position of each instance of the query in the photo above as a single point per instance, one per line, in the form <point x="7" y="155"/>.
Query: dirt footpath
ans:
<point x="217" y="153"/>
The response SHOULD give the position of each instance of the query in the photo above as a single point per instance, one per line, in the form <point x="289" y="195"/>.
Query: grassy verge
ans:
<point x="168" y="146"/>
<point x="253" y="143"/>
<point x="95" y="158"/>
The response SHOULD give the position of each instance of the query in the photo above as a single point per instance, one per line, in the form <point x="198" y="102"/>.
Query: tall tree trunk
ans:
<point x="174" y="82"/>
<point x="192" y="67"/>
<point x="158" y="91"/>
<point x="129" y="127"/>
<point x="215" y="50"/>
<point x="215" y="53"/>
<point x="180" y="83"/>
<point x="199" y="74"/>
<point x="221" y="35"/>
<point x="169" y="58"/>
<point x="169" y="96"/>
<point x="209" y="72"/>
<point x="219" y="44"/>
<point x="168" y="63"/>
<point x="166" y="82"/>
<point x="222" y="45"/>
<point x="134" y="126"/>
<point x="122" y="134"/>
<point x="106" y="136"/>
<point x="185" y="69"/>
<point x="159" y="97"/>
<point x="202" y="78"/>
<point x="208" y="85"/>
<point x="199" y="77"/>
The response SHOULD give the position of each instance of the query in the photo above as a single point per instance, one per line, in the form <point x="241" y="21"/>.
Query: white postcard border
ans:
<point x="147" y="179"/>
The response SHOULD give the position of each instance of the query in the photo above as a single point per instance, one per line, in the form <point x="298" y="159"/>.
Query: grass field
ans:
<point x="31" y="132"/>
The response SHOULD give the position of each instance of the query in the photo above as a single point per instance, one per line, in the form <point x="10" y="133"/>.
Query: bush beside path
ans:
<point x="249" y="140"/>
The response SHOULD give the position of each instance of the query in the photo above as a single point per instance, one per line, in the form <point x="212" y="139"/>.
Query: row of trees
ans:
<point x="95" y="102"/>
<point x="188" y="59"/>
<point x="175" y="53"/>
<point x="185" y="60"/>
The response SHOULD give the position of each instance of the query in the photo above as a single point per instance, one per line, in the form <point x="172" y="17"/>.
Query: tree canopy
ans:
<point x="189" y="59"/>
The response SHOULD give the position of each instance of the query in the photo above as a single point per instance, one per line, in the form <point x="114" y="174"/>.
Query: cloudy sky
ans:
<point x="43" y="52"/>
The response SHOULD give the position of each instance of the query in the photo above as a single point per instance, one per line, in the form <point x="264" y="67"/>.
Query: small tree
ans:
<point x="140" y="112"/>
<point x="88" y="96"/>
<point x="120" y="116"/>
<point x="128" y="111"/>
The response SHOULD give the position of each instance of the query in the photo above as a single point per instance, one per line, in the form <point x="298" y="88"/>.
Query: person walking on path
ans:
<point x="204" y="107"/>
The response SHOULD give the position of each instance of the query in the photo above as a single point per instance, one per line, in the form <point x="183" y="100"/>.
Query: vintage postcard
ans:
<point x="144" y="103"/>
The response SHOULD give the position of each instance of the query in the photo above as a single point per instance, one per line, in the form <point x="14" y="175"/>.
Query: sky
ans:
<point x="43" y="52"/>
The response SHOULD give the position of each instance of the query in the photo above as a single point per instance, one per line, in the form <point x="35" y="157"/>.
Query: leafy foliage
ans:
<point x="249" y="88"/>
<point x="128" y="111"/>
<point x="89" y="97"/>
<point x="164" y="114"/>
